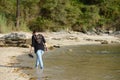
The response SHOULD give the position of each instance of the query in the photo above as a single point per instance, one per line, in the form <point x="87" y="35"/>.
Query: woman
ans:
<point x="39" y="44"/>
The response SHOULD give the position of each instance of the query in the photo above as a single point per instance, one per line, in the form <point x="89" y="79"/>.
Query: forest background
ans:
<point x="57" y="15"/>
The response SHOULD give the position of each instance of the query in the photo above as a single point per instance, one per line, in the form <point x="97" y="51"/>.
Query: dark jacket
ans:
<point x="36" y="45"/>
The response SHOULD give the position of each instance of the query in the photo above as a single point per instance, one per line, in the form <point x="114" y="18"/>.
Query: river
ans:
<point x="82" y="62"/>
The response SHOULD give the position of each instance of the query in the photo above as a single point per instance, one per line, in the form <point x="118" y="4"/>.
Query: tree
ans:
<point x="17" y="14"/>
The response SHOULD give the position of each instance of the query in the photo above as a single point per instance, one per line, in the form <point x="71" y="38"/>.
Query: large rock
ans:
<point x="117" y="34"/>
<point x="15" y="36"/>
<point x="15" y="39"/>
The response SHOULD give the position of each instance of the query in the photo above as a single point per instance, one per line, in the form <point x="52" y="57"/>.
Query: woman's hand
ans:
<point x="46" y="48"/>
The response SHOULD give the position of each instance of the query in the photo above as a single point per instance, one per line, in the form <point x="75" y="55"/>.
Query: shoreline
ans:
<point x="76" y="38"/>
<point x="69" y="38"/>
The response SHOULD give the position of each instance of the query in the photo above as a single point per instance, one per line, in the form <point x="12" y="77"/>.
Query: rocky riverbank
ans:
<point x="23" y="39"/>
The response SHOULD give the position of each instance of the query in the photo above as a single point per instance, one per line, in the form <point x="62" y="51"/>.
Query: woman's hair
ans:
<point x="34" y="31"/>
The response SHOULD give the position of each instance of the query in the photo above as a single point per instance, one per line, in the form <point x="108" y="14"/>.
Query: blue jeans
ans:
<point x="39" y="60"/>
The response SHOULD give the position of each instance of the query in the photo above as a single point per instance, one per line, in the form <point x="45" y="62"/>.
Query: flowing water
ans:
<point x="84" y="62"/>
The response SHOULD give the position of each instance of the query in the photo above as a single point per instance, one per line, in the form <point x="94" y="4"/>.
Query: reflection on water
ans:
<point x="84" y="62"/>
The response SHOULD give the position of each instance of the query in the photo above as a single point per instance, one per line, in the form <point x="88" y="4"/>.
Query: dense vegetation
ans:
<point x="55" y="15"/>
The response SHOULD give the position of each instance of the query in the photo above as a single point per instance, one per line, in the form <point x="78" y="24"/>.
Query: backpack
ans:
<point x="39" y="38"/>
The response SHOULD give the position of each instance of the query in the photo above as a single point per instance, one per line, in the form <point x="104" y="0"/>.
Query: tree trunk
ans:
<point x="17" y="14"/>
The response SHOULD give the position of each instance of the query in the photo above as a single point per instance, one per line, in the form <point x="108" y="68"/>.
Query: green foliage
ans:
<point x="3" y="25"/>
<point x="56" y="15"/>
<point x="38" y="24"/>
<point x="92" y="2"/>
<point x="23" y="26"/>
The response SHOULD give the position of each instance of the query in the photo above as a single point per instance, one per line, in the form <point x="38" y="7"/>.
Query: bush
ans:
<point x="3" y="25"/>
<point x="23" y="26"/>
<point x="92" y="2"/>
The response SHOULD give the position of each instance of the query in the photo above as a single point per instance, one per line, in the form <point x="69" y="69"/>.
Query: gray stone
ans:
<point x="15" y="40"/>
<point x="104" y="42"/>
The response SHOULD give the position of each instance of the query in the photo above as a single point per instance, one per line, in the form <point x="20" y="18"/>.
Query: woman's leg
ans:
<point x="37" y="61"/>
<point x="40" y="53"/>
